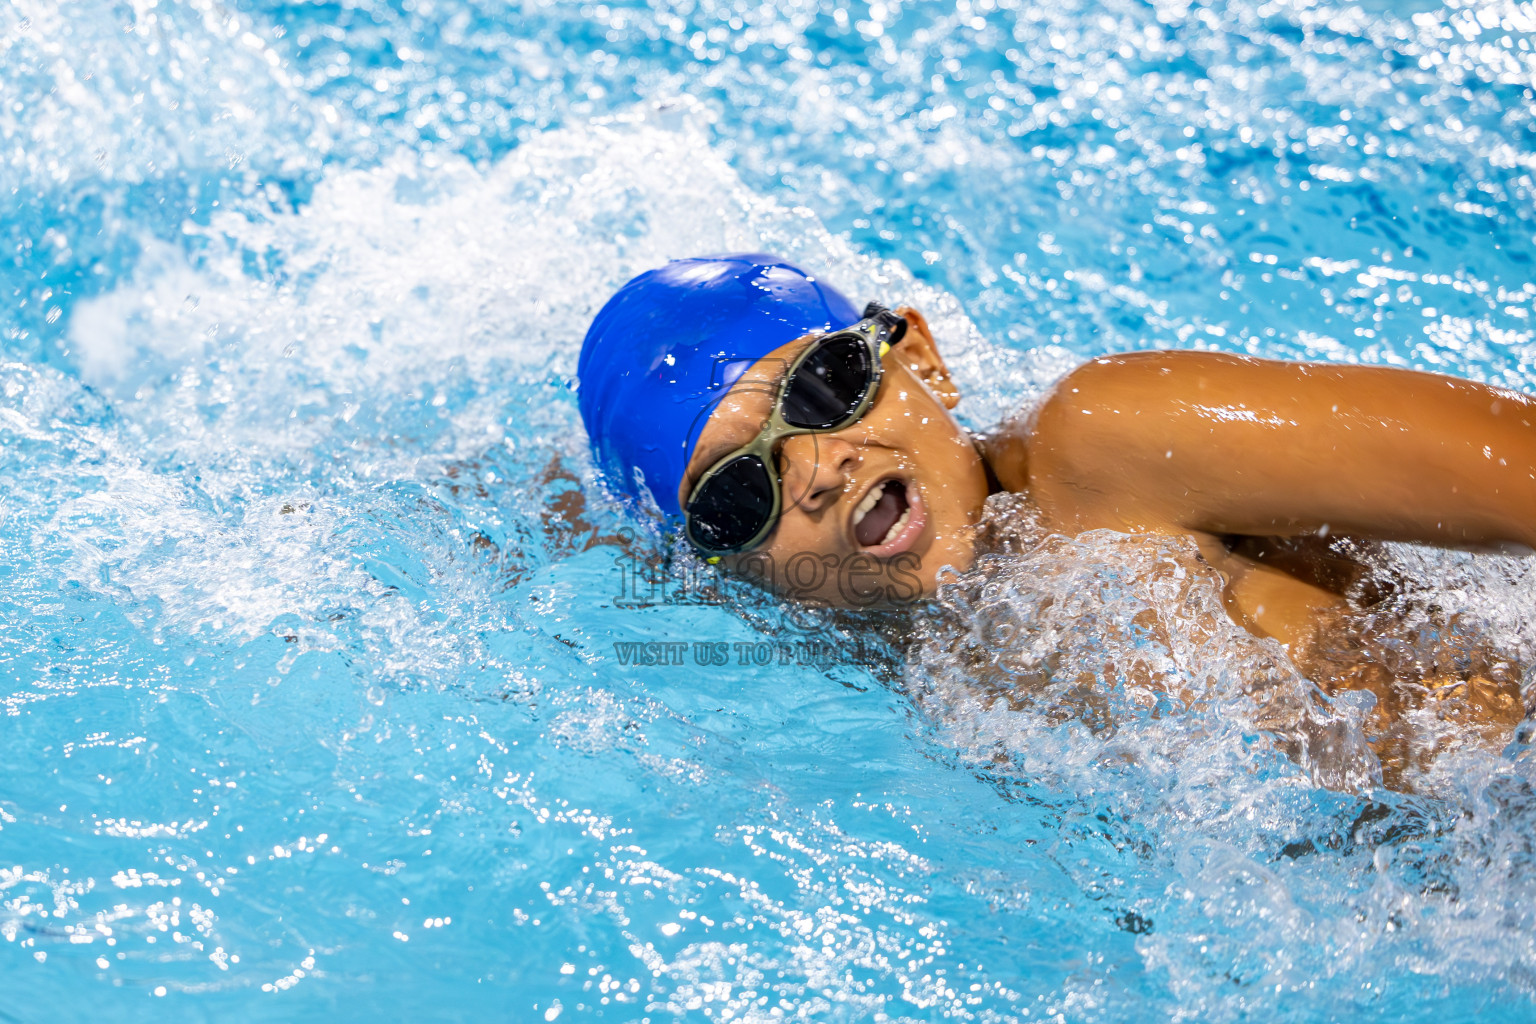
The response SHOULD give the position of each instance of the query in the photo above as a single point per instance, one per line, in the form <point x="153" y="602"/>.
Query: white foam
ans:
<point x="1106" y="667"/>
<point x="423" y="284"/>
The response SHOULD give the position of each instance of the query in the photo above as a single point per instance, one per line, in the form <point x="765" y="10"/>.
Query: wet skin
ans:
<point x="1213" y="446"/>
<point x="1220" y="446"/>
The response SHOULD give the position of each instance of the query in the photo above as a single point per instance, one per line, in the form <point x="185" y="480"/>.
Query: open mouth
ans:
<point x="883" y="514"/>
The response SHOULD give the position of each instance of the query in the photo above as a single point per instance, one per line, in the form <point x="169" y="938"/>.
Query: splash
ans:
<point x="1106" y="666"/>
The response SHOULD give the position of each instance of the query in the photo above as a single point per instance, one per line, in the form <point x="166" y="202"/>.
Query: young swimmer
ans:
<point x="772" y="420"/>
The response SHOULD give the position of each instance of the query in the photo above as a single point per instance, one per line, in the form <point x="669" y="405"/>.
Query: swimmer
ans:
<point x="770" y="418"/>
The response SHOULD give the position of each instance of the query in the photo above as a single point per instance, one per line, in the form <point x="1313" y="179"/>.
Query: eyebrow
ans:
<point x="720" y="450"/>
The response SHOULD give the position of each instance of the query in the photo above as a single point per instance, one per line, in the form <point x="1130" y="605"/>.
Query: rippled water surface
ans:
<point x="311" y="703"/>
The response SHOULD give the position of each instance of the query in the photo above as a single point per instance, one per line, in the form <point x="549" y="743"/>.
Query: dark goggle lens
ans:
<point x="829" y="385"/>
<point x="732" y="506"/>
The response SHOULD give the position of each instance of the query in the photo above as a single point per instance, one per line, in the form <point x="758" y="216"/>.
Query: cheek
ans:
<point x="801" y="561"/>
<point x="796" y="540"/>
<point x="796" y="575"/>
<point x="956" y="480"/>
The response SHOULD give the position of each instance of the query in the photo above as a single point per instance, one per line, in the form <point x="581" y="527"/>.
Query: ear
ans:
<point x="918" y="353"/>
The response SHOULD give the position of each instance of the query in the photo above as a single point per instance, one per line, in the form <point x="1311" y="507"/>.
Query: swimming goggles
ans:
<point x="828" y="387"/>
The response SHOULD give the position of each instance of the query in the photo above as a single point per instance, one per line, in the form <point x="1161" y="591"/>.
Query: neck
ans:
<point x="980" y="443"/>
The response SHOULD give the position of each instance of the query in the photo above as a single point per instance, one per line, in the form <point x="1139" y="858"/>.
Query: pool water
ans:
<point x="313" y="704"/>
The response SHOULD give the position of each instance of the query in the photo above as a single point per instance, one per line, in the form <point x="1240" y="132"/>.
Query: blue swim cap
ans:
<point x="669" y="345"/>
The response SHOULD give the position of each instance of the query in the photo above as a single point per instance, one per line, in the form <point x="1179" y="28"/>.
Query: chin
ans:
<point x="952" y="556"/>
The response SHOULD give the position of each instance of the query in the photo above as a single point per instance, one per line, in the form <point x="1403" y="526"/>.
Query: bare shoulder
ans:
<point x="1113" y="397"/>
<point x="1115" y="394"/>
<point x="1085" y="421"/>
<point x="1122" y="435"/>
<point x="1158" y="371"/>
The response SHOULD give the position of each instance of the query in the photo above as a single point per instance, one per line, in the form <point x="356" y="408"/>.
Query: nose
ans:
<point x="816" y="469"/>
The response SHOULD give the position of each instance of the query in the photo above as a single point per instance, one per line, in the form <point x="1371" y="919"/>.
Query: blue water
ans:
<point x="311" y="703"/>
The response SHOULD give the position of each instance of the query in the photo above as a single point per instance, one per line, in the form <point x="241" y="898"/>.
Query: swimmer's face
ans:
<point x="871" y="512"/>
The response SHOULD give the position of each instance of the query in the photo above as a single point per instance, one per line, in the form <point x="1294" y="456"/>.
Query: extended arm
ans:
<point x="1159" y="441"/>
